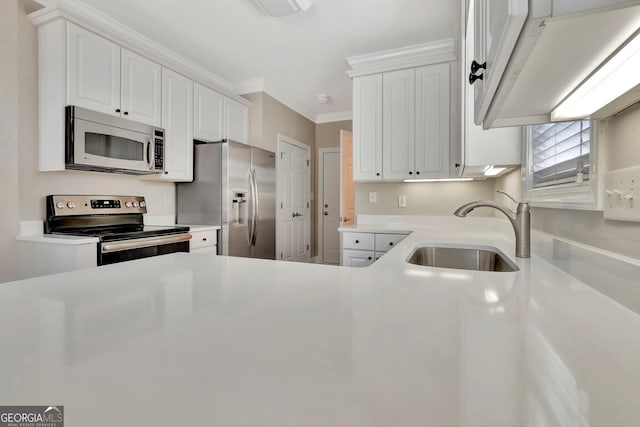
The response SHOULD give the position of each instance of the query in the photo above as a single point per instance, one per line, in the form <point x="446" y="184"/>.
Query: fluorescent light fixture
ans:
<point x="493" y="171"/>
<point x="439" y="180"/>
<point x="618" y="75"/>
<point x="279" y="8"/>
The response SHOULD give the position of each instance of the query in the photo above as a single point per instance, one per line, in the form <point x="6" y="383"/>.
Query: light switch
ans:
<point x="621" y="187"/>
<point x="402" y="201"/>
<point x="372" y="196"/>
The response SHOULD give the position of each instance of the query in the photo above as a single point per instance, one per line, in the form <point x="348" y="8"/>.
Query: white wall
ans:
<point x="23" y="188"/>
<point x="432" y="198"/>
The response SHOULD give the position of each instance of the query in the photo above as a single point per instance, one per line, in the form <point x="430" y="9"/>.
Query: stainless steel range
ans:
<point x="118" y="223"/>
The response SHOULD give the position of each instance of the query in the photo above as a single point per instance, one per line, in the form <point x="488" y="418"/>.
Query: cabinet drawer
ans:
<point x="202" y="239"/>
<point x="364" y="241"/>
<point x="385" y="242"/>
<point x="351" y="258"/>
<point x="206" y="250"/>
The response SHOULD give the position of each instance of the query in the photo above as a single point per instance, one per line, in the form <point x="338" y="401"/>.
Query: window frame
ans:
<point x="584" y="196"/>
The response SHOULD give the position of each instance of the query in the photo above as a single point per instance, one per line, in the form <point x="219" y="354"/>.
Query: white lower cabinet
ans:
<point x="39" y="258"/>
<point x="360" y="249"/>
<point x="203" y="242"/>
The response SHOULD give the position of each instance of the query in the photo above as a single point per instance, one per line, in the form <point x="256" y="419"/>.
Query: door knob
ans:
<point x="326" y="205"/>
<point x="326" y="213"/>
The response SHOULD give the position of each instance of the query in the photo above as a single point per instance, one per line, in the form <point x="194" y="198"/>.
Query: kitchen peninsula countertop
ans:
<point x="186" y="339"/>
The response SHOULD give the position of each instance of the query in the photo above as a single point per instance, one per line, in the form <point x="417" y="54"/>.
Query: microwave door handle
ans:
<point x="149" y="154"/>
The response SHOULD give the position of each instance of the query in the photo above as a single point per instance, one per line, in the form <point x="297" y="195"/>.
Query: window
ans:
<point x="561" y="167"/>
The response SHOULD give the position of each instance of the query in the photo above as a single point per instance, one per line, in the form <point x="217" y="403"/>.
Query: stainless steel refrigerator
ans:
<point x="234" y="186"/>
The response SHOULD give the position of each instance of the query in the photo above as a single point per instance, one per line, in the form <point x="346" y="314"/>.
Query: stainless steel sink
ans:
<point x="465" y="258"/>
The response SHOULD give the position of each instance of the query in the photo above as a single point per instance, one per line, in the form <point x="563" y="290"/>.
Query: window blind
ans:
<point x="559" y="151"/>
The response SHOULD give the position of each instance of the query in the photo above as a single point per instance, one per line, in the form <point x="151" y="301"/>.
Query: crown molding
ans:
<point x="105" y="26"/>
<point x="248" y="86"/>
<point x="405" y="57"/>
<point x="338" y="116"/>
<point x="296" y="106"/>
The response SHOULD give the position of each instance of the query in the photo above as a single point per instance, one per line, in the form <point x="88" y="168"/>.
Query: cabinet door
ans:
<point x="93" y="71"/>
<point x="177" y="120"/>
<point x="236" y="121"/>
<point x="209" y="111"/>
<point x="432" y="121"/>
<point x="497" y="27"/>
<point x="398" y="125"/>
<point x="367" y="128"/>
<point x="141" y="89"/>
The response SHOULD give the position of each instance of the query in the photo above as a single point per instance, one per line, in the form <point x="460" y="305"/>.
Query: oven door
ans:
<point x="127" y="250"/>
<point x="100" y="147"/>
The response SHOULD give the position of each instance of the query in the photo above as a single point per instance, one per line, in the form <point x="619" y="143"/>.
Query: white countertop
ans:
<point x="196" y="340"/>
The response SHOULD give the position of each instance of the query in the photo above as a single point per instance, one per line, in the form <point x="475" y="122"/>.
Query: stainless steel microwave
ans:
<point x="100" y="142"/>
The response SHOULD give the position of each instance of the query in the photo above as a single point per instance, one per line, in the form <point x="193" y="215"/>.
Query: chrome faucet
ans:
<point x="520" y="220"/>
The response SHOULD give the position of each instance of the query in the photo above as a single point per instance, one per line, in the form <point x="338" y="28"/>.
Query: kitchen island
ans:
<point x="196" y="340"/>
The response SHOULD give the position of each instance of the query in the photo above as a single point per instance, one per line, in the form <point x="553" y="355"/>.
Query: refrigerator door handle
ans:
<point x="250" y="208"/>
<point x="256" y="209"/>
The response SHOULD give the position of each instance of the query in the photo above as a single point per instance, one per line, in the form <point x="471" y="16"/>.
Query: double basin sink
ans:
<point x="464" y="258"/>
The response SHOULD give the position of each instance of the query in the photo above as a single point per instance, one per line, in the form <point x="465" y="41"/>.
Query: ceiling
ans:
<point x="298" y="56"/>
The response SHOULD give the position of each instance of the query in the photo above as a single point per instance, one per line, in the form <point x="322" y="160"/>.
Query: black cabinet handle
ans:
<point x="390" y="243"/>
<point x="378" y="174"/>
<point x="117" y="110"/>
<point x="357" y="241"/>
<point x="369" y="257"/>
<point x="476" y="66"/>
<point x="410" y="173"/>
<point x="126" y="113"/>
<point x="473" y="78"/>
<point x="204" y="239"/>
<point x="457" y="165"/>
<point x="417" y="172"/>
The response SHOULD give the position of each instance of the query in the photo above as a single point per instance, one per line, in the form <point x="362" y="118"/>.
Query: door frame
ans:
<point x="302" y="145"/>
<point x="319" y="215"/>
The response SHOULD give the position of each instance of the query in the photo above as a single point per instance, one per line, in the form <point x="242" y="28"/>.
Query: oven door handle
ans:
<point x="106" y="248"/>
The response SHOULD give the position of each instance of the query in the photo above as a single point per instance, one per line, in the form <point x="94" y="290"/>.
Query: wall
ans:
<point x="432" y="198"/>
<point x="328" y="134"/>
<point x="23" y="187"/>
<point x="8" y="139"/>
<point x="622" y="150"/>
<point x="268" y="118"/>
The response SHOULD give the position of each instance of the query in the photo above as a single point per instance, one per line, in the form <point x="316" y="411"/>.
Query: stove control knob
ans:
<point x="71" y="205"/>
<point x="128" y="204"/>
<point x="143" y="204"/>
<point x="61" y="205"/>
<point x="136" y="204"/>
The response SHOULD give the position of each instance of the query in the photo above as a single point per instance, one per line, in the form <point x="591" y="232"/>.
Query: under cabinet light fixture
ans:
<point x="439" y="180"/>
<point x="493" y="171"/>
<point x="617" y="76"/>
<point x="279" y="8"/>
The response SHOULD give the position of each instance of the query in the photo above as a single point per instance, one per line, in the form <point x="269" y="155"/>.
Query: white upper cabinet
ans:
<point x="236" y="121"/>
<point x="498" y="25"/>
<point x="367" y="128"/>
<point x="432" y="122"/>
<point x="141" y="89"/>
<point x="481" y="148"/>
<point x="398" y="124"/>
<point x="93" y="71"/>
<point x="209" y="114"/>
<point x="177" y="120"/>
<point x="537" y="52"/>
<point x="102" y="76"/>
<point x="409" y="109"/>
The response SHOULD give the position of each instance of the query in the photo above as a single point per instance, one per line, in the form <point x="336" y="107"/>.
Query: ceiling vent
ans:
<point x="284" y="7"/>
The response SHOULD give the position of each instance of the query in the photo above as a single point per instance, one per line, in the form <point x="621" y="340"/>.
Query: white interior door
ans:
<point x="293" y="193"/>
<point x="330" y="199"/>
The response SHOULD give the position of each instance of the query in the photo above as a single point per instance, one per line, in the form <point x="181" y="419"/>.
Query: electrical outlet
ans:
<point x="622" y="196"/>
<point x="372" y="196"/>
<point x="402" y="201"/>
